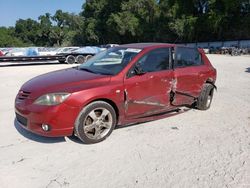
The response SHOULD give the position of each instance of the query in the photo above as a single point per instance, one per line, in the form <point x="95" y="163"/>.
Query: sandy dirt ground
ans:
<point x="192" y="149"/>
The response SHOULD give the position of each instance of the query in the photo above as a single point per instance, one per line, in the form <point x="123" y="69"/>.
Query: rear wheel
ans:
<point x="205" y="99"/>
<point x="70" y="59"/>
<point x="95" y="122"/>
<point x="88" y="57"/>
<point x="80" y="59"/>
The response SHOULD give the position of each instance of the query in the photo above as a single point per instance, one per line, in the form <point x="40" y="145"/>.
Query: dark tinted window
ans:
<point x="155" y="60"/>
<point x="187" y="57"/>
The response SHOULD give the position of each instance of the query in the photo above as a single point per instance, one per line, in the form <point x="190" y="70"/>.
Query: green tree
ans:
<point x="125" y="21"/>
<point x="7" y="38"/>
<point x="27" y="30"/>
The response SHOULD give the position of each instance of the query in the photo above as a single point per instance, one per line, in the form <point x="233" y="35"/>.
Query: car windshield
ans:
<point x="111" y="61"/>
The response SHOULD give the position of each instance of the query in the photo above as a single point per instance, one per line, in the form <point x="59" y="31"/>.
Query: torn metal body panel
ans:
<point x="166" y="90"/>
<point x="189" y="83"/>
<point x="154" y="116"/>
<point x="147" y="92"/>
<point x="148" y="103"/>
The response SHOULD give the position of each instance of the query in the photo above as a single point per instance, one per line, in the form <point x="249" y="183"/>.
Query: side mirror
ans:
<point x="138" y="69"/>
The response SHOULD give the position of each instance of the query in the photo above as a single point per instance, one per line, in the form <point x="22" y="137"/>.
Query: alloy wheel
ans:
<point x="97" y="123"/>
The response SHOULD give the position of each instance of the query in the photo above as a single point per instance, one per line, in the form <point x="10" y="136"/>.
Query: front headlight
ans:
<point x="52" y="99"/>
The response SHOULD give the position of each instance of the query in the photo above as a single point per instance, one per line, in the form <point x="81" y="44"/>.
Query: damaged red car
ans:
<point x="126" y="84"/>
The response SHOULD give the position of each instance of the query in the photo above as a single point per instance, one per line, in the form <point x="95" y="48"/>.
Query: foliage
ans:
<point x="125" y="21"/>
<point x="7" y="38"/>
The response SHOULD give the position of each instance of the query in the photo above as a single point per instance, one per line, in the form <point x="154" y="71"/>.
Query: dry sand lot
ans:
<point x="192" y="149"/>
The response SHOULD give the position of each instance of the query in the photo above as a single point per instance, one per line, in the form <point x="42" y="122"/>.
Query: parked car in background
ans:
<point x="5" y="50"/>
<point x="111" y="45"/>
<point x="26" y="52"/>
<point x="206" y="50"/>
<point x="214" y="50"/>
<point x="1" y="53"/>
<point x="31" y="51"/>
<point x="246" y="51"/>
<point x="16" y="52"/>
<point x="79" y="55"/>
<point x="46" y="51"/>
<point x="122" y="85"/>
<point x="66" y="49"/>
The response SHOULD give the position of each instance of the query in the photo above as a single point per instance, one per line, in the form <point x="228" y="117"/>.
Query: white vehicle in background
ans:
<point x="1" y="53"/>
<point x="80" y="55"/>
<point x="206" y="50"/>
<point x="44" y="51"/>
<point x="5" y="51"/>
<point x="22" y="52"/>
<point x="66" y="49"/>
<point x="49" y="51"/>
<point x="111" y="45"/>
<point x="16" y="52"/>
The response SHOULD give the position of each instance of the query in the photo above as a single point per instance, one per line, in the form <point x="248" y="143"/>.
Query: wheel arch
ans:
<point x="112" y="103"/>
<point x="211" y="81"/>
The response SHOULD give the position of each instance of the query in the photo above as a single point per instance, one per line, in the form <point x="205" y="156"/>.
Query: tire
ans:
<point x="88" y="57"/>
<point x="70" y="59"/>
<point x="90" y="127"/>
<point x="205" y="99"/>
<point x="80" y="59"/>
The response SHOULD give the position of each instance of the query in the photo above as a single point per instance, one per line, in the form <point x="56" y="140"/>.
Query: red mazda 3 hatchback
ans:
<point x="122" y="85"/>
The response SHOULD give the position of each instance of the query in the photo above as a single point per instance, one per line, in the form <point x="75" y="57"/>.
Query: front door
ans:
<point x="149" y="93"/>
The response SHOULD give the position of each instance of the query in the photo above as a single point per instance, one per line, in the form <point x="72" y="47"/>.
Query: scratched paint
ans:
<point x="126" y="100"/>
<point x="173" y="85"/>
<point x="148" y="103"/>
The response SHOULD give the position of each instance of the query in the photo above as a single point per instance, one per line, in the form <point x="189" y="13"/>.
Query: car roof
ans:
<point x="146" y="45"/>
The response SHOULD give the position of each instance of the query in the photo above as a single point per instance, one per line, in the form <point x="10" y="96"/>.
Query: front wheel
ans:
<point x="205" y="99"/>
<point x="95" y="122"/>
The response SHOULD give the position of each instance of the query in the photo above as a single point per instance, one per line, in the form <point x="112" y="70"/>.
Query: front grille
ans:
<point x="21" y="119"/>
<point x="22" y="95"/>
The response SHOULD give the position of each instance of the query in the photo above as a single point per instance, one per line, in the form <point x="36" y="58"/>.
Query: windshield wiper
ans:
<point x="86" y="69"/>
<point x="105" y="73"/>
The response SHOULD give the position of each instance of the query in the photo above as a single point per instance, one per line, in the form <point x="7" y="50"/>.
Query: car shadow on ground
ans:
<point x="37" y="138"/>
<point x="248" y="69"/>
<point x="73" y="138"/>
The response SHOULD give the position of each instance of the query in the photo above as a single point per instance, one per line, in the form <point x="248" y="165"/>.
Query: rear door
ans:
<point x="188" y="74"/>
<point x="148" y="93"/>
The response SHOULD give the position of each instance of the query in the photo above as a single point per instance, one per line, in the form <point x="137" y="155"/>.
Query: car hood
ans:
<point x="66" y="80"/>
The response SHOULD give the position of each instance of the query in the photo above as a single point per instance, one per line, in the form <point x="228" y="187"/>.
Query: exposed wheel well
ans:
<point x="210" y="81"/>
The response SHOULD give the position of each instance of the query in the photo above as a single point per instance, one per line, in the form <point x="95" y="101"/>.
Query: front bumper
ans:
<point x="60" y="118"/>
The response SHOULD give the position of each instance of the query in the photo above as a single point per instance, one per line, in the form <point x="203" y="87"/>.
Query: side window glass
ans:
<point x="156" y="60"/>
<point x="187" y="57"/>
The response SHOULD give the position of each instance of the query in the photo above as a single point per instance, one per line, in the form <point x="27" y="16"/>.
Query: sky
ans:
<point x="12" y="10"/>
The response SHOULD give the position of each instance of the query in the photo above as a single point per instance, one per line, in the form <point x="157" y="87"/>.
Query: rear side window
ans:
<point x="155" y="60"/>
<point x="185" y="57"/>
